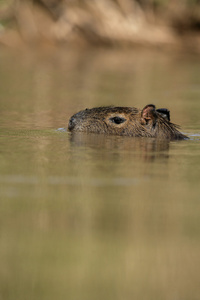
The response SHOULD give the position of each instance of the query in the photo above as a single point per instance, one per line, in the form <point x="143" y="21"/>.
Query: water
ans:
<point x="92" y="216"/>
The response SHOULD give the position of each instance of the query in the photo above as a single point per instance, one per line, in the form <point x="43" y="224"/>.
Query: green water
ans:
<point x="92" y="216"/>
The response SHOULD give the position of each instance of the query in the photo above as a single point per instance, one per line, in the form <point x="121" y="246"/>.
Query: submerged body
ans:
<point x="126" y="121"/>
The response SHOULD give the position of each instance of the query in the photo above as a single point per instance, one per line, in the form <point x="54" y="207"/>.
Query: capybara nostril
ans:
<point x="72" y="123"/>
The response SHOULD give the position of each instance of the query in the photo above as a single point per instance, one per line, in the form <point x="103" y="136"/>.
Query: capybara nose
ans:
<point x="72" y="123"/>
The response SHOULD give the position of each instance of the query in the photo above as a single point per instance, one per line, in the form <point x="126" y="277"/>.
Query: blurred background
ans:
<point x="158" y="23"/>
<point x="93" y="216"/>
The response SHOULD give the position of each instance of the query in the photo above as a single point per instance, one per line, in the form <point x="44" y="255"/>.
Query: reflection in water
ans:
<point x="146" y="149"/>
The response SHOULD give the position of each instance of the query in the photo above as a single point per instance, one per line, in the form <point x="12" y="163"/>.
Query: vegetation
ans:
<point x="103" y="22"/>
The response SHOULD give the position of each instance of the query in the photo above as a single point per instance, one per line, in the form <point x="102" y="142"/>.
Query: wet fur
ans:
<point x="138" y="123"/>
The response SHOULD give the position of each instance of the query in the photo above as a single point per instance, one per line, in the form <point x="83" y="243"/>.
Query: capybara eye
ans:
<point x="117" y="120"/>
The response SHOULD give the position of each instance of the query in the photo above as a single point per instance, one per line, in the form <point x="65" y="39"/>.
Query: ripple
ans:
<point x="62" y="129"/>
<point x="59" y="180"/>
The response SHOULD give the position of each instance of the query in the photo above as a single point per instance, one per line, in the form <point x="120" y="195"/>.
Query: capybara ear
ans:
<point x="165" y="113"/>
<point x="148" y="114"/>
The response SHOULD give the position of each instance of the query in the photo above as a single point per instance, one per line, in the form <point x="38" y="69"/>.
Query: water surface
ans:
<point x="92" y="216"/>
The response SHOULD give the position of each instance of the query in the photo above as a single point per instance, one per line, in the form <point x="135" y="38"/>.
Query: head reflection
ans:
<point x="146" y="149"/>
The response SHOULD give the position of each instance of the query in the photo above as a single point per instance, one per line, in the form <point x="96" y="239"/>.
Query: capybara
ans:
<point x="126" y="121"/>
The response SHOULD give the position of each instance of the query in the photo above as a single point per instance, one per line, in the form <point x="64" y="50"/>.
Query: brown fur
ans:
<point x="126" y="121"/>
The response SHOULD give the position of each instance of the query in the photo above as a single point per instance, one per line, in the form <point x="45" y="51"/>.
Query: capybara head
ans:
<point x="126" y="121"/>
